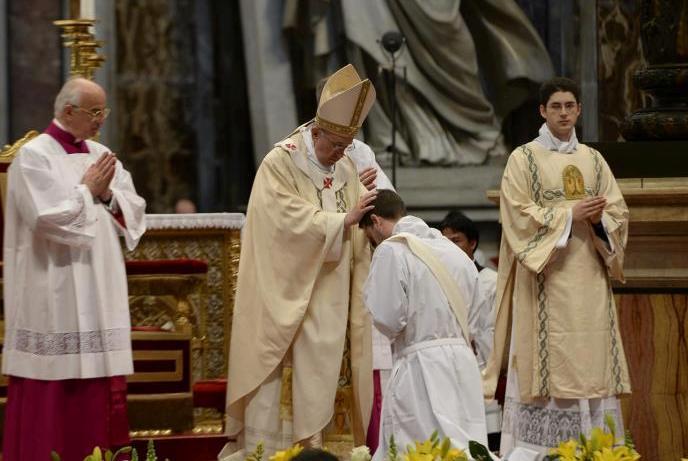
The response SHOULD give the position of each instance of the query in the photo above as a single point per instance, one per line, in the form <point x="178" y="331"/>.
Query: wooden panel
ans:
<point x="653" y="328"/>
<point x="656" y="261"/>
<point x="161" y="363"/>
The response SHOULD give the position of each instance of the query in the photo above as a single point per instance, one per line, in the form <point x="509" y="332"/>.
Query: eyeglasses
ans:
<point x="568" y="107"/>
<point x="336" y="145"/>
<point x="95" y="114"/>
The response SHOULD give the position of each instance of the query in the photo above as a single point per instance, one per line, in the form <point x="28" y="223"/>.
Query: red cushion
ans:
<point x="167" y="266"/>
<point x="210" y="393"/>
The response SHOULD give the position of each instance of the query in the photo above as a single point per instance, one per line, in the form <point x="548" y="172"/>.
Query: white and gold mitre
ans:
<point x="345" y="102"/>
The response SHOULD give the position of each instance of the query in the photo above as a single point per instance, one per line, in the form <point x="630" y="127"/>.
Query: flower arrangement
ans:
<point x="285" y="455"/>
<point x="361" y="453"/>
<point x="599" y="447"/>
<point x="432" y="449"/>
<point x="100" y="455"/>
<point x="107" y="455"/>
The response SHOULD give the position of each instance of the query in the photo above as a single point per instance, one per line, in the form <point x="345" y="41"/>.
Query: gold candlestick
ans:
<point x="78" y="37"/>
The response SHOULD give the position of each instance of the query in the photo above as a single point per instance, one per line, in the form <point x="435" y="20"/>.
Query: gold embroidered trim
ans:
<point x="335" y="127"/>
<point x="359" y="104"/>
<point x="286" y="405"/>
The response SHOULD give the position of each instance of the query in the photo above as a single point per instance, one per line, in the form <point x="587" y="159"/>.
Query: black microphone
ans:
<point x="392" y="41"/>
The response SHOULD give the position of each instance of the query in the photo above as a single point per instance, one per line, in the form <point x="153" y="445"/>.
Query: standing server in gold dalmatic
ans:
<point x="565" y="226"/>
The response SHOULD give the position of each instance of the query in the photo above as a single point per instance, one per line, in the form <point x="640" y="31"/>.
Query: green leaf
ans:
<point x="122" y="451"/>
<point x="54" y="456"/>
<point x="583" y="440"/>
<point x="478" y="451"/>
<point x="392" y="449"/>
<point x="150" y="452"/>
<point x="628" y="440"/>
<point x="257" y="454"/>
<point x="609" y="422"/>
<point x="446" y="445"/>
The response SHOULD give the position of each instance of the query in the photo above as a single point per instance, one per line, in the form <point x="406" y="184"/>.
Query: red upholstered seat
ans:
<point x="210" y="393"/>
<point x="167" y="266"/>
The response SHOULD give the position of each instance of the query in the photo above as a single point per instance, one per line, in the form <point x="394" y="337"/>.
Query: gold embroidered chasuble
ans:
<point x="300" y="278"/>
<point x="566" y="341"/>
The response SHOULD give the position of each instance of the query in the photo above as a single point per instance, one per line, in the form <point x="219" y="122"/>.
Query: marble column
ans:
<point x="35" y="64"/>
<point x="271" y="94"/>
<point x="4" y="112"/>
<point x="106" y="30"/>
<point x="209" y="195"/>
<point x="588" y="74"/>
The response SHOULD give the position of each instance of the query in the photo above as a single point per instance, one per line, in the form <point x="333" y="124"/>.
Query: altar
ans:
<point x="181" y="280"/>
<point x="211" y="237"/>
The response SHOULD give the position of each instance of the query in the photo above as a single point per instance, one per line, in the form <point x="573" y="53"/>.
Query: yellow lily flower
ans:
<point x="566" y="450"/>
<point x="288" y="454"/>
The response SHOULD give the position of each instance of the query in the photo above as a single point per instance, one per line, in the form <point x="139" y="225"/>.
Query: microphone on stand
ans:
<point x="392" y="42"/>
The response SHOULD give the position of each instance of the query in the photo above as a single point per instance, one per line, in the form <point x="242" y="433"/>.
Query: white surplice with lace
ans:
<point x="65" y="287"/>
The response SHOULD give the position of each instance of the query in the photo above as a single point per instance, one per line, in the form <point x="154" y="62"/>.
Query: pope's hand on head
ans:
<point x="364" y="205"/>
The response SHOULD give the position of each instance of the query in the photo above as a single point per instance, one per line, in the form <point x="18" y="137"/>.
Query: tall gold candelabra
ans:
<point x="77" y="36"/>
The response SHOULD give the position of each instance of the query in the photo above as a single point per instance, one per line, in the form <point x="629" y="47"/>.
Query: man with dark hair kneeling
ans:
<point x="421" y="291"/>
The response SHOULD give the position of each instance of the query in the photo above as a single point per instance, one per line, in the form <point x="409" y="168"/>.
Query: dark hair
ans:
<point x="387" y="204"/>
<point x="314" y="454"/>
<point x="550" y="87"/>
<point x="459" y="222"/>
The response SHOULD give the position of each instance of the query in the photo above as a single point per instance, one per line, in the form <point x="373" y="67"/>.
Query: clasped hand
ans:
<point x="590" y="208"/>
<point x="98" y="176"/>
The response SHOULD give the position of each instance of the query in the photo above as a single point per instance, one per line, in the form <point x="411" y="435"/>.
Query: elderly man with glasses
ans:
<point x="298" y="316"/>
<point x="67" y="343"/>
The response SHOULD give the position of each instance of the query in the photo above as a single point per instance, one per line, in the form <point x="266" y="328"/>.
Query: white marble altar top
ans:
<point x="196" y="221"/>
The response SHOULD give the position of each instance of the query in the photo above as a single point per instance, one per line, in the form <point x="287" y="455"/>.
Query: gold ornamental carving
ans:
<point x="209" y="310"/>
<point x="84" y="58"/>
